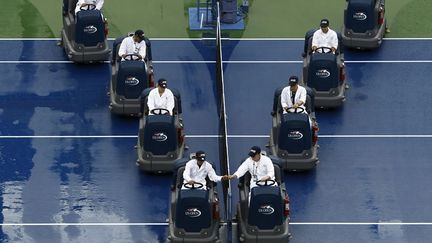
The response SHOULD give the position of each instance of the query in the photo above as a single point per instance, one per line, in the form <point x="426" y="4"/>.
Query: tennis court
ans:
<point x="68" y="165"/>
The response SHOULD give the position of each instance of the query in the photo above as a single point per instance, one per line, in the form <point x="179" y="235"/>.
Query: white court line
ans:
<point x="173" y="62"/>
<point x="35" y="62"/>
<point x="361" y="61"/>
<point x="378" y="136"/>
<point x="302" y="39"/>
<point x="69" y="136"/>
<point x="391" y="61"/>
<point x="110" y="39"/>
<point x="347" y="136"/>
<point x="84" y="224"/>
<point x="261" y="62"/>
<point x="166" y="224"/>
<point x="71" y="62"/>
<point x="229" y="136"/>
<point x="229" y="62"/>
<point x="198" y="39"/>
<point x="96" y="136"/>
<point x="361" y="223"/>
<point x="201" y="21"/>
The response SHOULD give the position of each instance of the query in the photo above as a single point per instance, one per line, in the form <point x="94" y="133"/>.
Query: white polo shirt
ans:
<point x="129" y="46"/>
<point x="198" y="174"/>
<point x="321" y="39"/>
<point x="164" y="101"/>
<point x="258" y="169"/>
<point x="300" y="95"/>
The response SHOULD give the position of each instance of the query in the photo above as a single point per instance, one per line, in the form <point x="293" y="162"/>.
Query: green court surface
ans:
<point x="168" y="18"/>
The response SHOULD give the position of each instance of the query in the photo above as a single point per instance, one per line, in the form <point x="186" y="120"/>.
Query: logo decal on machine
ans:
<point x="131" y="81"/>
<point x="296" y="135"/>
<point x="359" y="16"/>
<point x="266" y="209"/>
<point x="159" y="137"/>
<point x="322" y="73"/>
<point x="193" y="212"/>
<point x="90" y="29"/>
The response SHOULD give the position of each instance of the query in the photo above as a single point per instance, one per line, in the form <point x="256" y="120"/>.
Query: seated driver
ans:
<point x="325" y="37"/>
<point x="134" y="45"/>
<point x="84" y="3"/>
<point x="198" y="169"/>
<point x="294" y="95"/>
<point x="258" y="165"/>
<point x="161" y="97"/>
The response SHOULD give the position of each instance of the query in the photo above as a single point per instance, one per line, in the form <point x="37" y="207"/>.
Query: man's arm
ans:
<point x="122" y="50"/>
<point x="315" y="41"/>
<point x="142" y="51"/>
<point x="212" y="175"/>
<point x="284" y="95"/>
<point x="270" y="170"/>
<point x="170" y="102"/>
<point x="78" y="6"/>
<point x="302" y="97"/>
<point x="150" y="100"/>
<point x="99" y="4"/>
<point x="240" y="171"/>
<point x="335" y="42"/>
<point x="186" y="172"/>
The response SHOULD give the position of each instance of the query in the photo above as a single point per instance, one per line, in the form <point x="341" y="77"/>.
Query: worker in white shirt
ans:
<point x="197" y="170"/>
<point x="161" y="97"/>
<point x="293" y="96"/>
<point x="85" y="3"/>
<point x="134" y="45"/>
<point x="325" y="37"/>
<point x="258" y="165"/>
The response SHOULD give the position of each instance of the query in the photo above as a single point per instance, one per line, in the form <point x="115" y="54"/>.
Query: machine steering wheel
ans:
<point x="159" y="111"/>
<point x="324" y="49"/>
<point x="294" y="110"/>
<point x="268" y="182"/>
<point x="132" y="57"/>
<point x="88" y="6"/>
<point x="194" y="185"/>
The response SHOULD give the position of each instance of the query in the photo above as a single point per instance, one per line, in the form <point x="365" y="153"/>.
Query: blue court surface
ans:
<point x="68" y="169"/>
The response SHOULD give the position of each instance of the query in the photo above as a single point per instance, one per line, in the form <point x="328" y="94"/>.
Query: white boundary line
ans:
<point x="201" y="20"/>
<point x="218" y="136"/>
<point x="229" y="62"/>
<point x="362" y="223"/>
<point x="348" y="136"/>
<point x="236" y="39"/>
<point x="166" y="224"/>
<point x="170" y="62"/>
<point x="261" y="62"/>
<point x="302" y="39"/>
<point x="69" y="136"/>
<point x="391" y="61"/>
<point x="35" y="62"/>
<point x="96" y="136"/>
<point x="70" y="62"/>
<point x="84" y="224"/>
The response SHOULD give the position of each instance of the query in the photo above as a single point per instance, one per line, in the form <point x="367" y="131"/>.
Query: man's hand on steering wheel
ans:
<point x="267" y="182"/>
<point x="265" y="178"/>
<point x="193" y="185"/>
<point x="87" y="6"/>
<point x="293" y="109"/>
